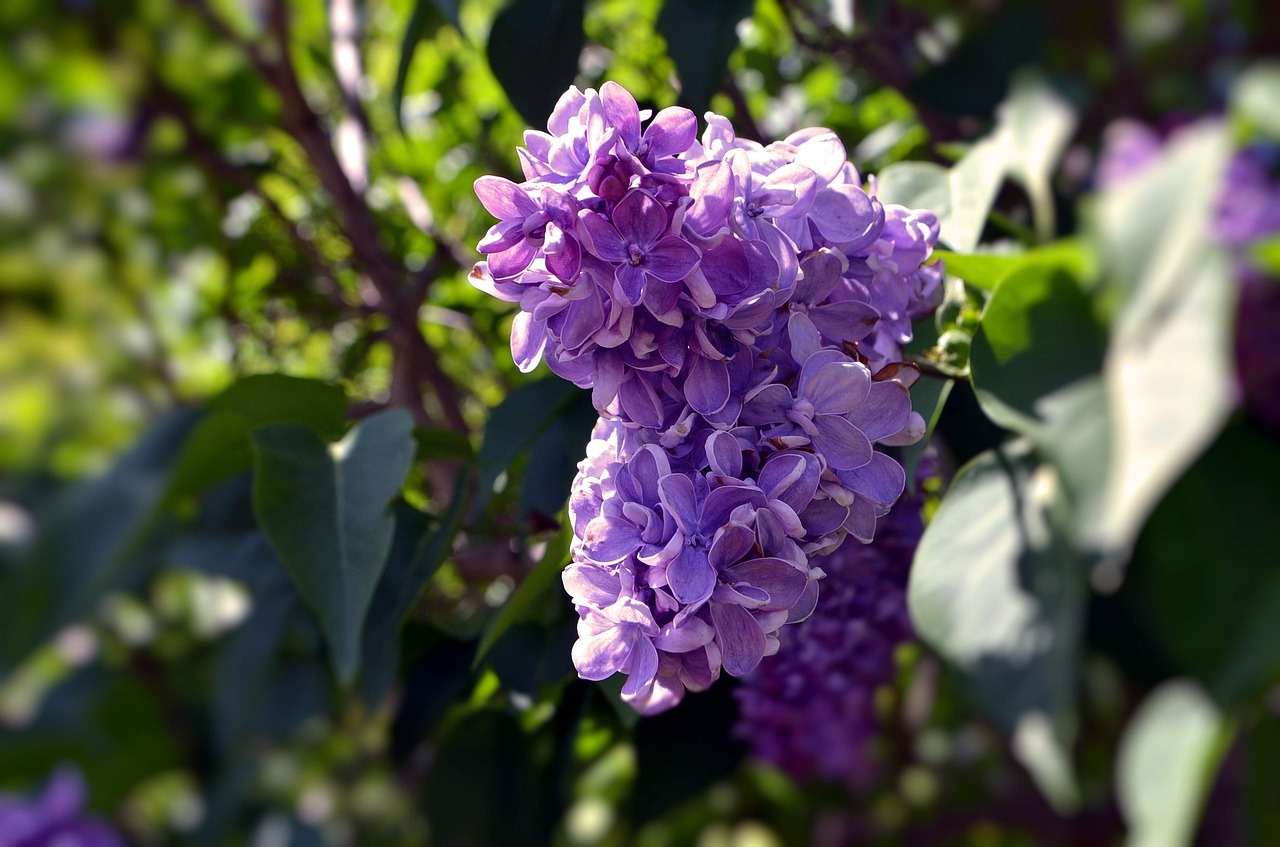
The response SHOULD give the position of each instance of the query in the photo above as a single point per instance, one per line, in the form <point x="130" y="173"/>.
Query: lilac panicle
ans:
<point x="738" y="311"/>
<point x="55" y="816"/>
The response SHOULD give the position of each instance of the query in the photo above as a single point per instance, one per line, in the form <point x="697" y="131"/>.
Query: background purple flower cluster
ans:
<point x="55" y="817"/>
<point x="1248" y="212"/>
<point x="738" y="312"/>
<point x="813" y="714"/>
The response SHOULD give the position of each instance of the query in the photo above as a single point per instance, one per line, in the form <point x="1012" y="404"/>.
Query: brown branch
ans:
<point x="416" y="363"/>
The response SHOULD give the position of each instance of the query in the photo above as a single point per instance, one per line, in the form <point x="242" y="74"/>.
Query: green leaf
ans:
<point x="999" y="595"/>
<point x="961" y="196"/>
<point x="554" y="457"/>
<point x="701" y="36"/>
<point x="1166" y="763"/>
<point x="988" y="270"/>
<point x="533" y="50"/>
<point x="219" y="447"/>
<point x="325" y="509"/>
<point x="1153" y="229"/>
<point x="1256" y="98"/>
<point x="515" y="424"/>
<point x="1176" y="295"/>
<point x="542" y="583"/>
<point x="416" y="554"/>
<point x="479" y="792"/>
<point x="1038" y="123"/>
<point x="1200" y="581"/>
<point x="1037" y="335"/>
<point x="93" y="539"/>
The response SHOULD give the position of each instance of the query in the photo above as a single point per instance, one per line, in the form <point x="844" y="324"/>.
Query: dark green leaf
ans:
<point x="219" y="447"/>
<point x="701" y="35"/>
<point x="325" y="509"/>
<point x="554" y="457"/>
<point x="1166" y="763"/>
<point x="928" y="397"/>
<point x="478" y="794"/>
<point x="1201" y="580"/>
<point x="999" y="595"/>
<point x="541" y="584"/>
<point x="514" y="424"/>
<point x="416" y="554"/>
<point x="533" y="50"/>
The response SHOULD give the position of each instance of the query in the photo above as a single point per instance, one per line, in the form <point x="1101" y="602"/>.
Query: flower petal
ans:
<point x="841" y="443"/>
<point x="691" y="577"/>
<point x="740" y="637"/>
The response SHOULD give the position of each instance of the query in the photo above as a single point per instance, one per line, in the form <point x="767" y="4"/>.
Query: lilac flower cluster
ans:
<point x="813" y="714"/>
<point x="1248" y="211"/>
<point x="54" y="817"/>
<point x="738" y="312"/>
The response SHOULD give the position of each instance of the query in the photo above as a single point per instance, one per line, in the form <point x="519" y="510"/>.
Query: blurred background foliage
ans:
<point x="234" y="245"/>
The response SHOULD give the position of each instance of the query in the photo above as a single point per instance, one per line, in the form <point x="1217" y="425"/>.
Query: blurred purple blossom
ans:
<point x="54" y="817"/>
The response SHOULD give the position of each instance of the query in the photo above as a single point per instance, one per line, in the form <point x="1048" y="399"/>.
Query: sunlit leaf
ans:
<point x="996" y="591"/>
<point x="1038" y="123"/>
<point x="1167" y="759"/>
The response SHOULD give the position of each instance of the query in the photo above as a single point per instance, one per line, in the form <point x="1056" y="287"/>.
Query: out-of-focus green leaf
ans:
<point x="533" y="51"/>
<point x="1265" y="254"/>
<point x="1038" y="123"/>
<point x="515" y="424"/>
<point x="1199" y="580"/>
<point x="1176" y="296"/>
<point x="93" y="539"/>
<point x="443" y="444"/>
<point x="530" y="598"/>
<point x="1037" y="336"/>
<point x="960" y="196"/>
<point x="479" y="793"/>
<point x="1262" y="781"/>
<point x="431" y="684"/>
<point x="1256" y="98"/>
<point x="1166" y="763"/>
<point x="996" y="591"/>
<point x="700" y="38"/>
<point x="325" y="509"/>
<point x="707" y="752"/>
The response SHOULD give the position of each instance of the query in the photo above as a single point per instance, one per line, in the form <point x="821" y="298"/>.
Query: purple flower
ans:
<point x="831" y="385"/>
<point x="530" y="226"/>
<point x="54" y="817"/>
<point x="668" y="136"/>
<point x="635" y="241"/>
